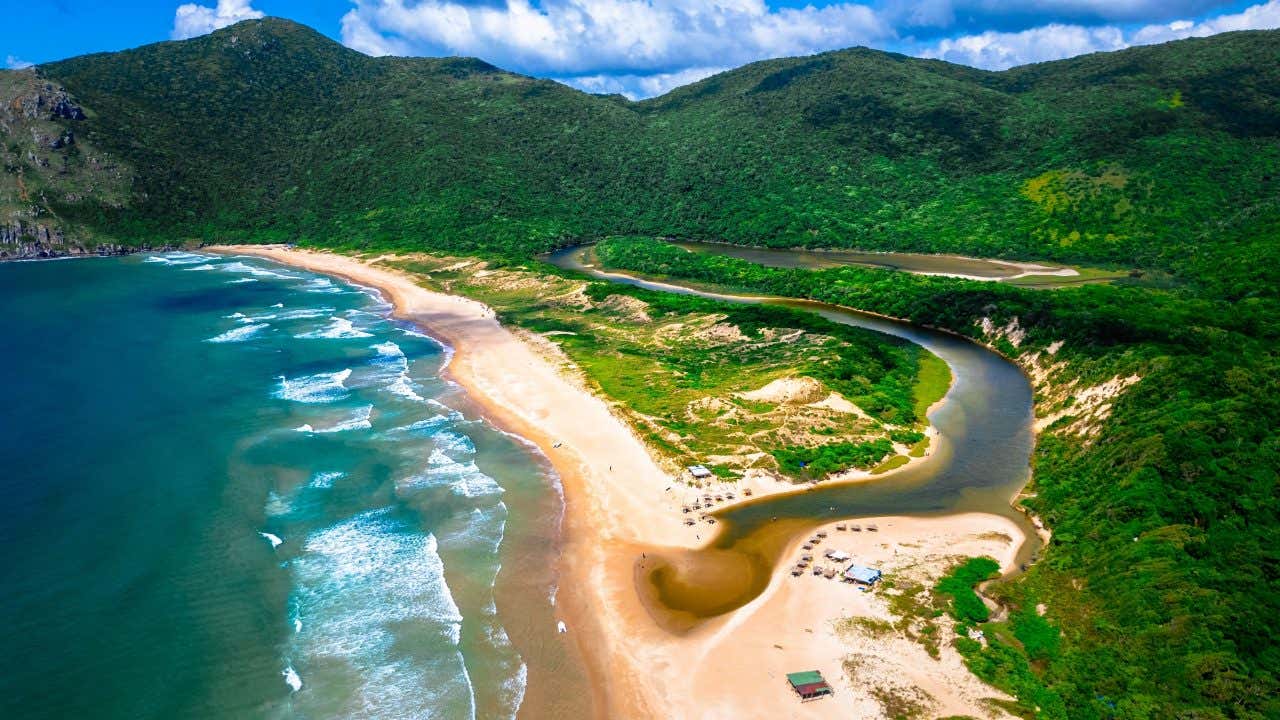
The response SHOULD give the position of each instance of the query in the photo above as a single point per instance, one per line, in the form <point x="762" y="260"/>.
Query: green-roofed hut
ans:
<point x="809" y="685"/>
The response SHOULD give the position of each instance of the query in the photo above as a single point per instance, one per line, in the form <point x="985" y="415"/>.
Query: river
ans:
<point x="981" y="462"/>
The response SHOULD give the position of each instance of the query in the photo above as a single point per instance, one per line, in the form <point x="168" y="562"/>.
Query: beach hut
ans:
<point x="842" y="527"/>
<point x="863" y="575"/>
<point x="808" y="685"/>
<point x="699" y="472"/>
<point x="873" y="528"/>
<point x="748" y="492"/>
<point x="839" y="556"/>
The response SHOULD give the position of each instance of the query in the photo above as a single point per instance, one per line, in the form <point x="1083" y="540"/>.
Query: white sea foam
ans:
<point x="319" y="388"/>
<point x="246" y="269"/>
<point x="419" y="428"/>
<point x="405" y="388"/>
<point x="305" y="428"/>
<point x="292" y="679"/>
<point x="393" y="359"/>
<point x="324" y="480"/>
<point x="462" y="478"/>
<point x="362" y="584"/>
<point x="389" y="351"/>
<point x="196" y="268"/>
<point x="273" y="539"/>
<point x="454" y="444"/>
<point x="240" y="334"/>
<point x="361" y="419"/>
<point x="241" y="280"/>
<point x="321" y="285"/>
<point x="178" y="258"/>
<point x="337" y="329"/>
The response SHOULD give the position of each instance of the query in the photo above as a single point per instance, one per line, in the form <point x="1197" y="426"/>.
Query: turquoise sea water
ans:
<point x="235" y="490"/>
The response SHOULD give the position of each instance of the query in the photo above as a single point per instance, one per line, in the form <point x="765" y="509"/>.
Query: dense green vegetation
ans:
<point x="826" y="459"/>
<point x="958" y="584"/>
<point x="1161" y="573"/>
<point x="269" y="131"/>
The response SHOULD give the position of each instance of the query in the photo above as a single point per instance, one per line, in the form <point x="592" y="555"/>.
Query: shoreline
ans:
<point x="610" y="518"/>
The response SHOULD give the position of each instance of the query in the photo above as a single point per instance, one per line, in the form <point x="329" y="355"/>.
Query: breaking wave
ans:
<point x="178" y="258"/>
<point x="239" y="334"/>
<point x="361" y="419"/>
<point x="337" y="329"/>
<point x="246" y="269"/>
<point x="360" y="586"/>
<point x="319" y="388"/>
<point x="321" y="285"/>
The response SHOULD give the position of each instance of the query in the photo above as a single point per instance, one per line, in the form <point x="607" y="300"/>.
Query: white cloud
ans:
<point x="642" y="48"/>
<point x="585" y="38"/>
<point x="998" y="50"/>
<point x="14" y="63"/>
<point x="191" y="19"/>
<point x="636" y="87"/>
<point x="1258" y="17"/>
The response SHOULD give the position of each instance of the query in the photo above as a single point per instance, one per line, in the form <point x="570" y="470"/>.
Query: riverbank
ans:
<point x="616" y="510"/>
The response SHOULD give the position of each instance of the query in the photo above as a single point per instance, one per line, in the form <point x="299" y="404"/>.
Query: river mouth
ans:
<point x="981" y="462"/>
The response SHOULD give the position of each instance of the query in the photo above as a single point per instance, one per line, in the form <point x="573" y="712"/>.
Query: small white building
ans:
<point x="839" y="556"/>
<point x="699" y="472"/>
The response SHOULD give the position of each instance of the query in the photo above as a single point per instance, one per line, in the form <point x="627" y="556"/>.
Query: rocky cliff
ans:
<point x="51" y="176"/>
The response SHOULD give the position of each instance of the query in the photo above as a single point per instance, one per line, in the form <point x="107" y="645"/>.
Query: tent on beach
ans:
<point x="863" y="575"/>
<point x="809" y="685"/>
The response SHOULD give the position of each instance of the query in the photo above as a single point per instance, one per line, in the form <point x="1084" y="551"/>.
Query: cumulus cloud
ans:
<point x="191" y="19"/>
<point x="997" y="50"/>
<point x="585" y="41"/>
<point x="1258" y="17"/>
<point x="1000" y="50"/>
<point x="14" y="63"/>
<point x="642" y="48"/>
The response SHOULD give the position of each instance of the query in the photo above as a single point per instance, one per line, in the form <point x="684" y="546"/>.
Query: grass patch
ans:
<point x="896" y="461"/>
<point x="932" y="382"/>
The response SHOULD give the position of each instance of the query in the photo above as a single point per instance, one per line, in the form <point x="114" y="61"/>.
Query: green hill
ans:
<point x="266" y="130"/>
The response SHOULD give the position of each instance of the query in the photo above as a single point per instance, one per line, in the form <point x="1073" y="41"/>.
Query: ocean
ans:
<point x="236" y="490"/>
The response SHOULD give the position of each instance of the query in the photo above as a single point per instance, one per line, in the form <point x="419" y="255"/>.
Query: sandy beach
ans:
<point x="619" y="505"/>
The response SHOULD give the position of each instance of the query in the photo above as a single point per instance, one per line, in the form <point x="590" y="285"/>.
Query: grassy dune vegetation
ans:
<point x="731" y="386"/>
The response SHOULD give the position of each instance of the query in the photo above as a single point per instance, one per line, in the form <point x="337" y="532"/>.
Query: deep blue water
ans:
<point x="234" y="490"/>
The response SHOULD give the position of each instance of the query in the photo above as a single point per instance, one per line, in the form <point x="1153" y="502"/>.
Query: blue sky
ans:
<point x="645" y="47"/>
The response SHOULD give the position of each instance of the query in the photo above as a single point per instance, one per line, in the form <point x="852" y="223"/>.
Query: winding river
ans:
<point x="981" y="462"/>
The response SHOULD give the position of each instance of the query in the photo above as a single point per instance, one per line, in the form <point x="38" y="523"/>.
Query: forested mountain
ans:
<point x="1161" y="586"/>
<point x="1156" y="157"/>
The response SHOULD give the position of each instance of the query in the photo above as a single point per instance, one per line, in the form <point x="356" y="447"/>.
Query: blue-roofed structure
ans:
<point x="861" y="574"/>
